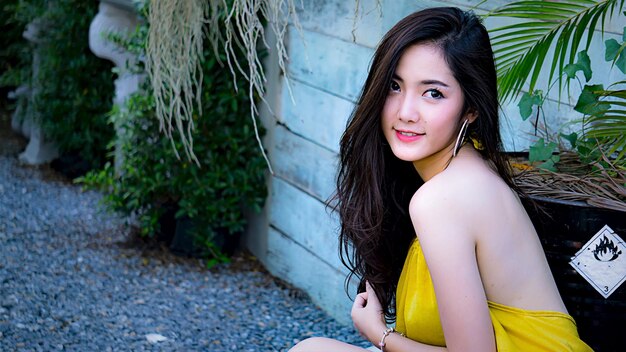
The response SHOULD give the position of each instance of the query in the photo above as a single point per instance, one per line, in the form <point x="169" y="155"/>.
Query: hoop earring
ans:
<point x="460" y="138"/>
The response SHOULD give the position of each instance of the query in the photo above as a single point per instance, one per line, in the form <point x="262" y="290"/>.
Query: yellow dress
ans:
<point x="515" y="329"/>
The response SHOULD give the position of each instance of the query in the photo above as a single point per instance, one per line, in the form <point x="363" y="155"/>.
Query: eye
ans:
<point x="434" y="93"/>
<point x="394" y="86"/>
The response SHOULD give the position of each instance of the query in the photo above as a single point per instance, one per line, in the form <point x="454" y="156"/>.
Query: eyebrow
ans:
<point x="424" y="82"/>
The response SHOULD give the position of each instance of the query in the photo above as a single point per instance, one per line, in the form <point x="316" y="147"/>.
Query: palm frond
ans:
<point x="521" y="49"/>
<point x="609" y="126"/>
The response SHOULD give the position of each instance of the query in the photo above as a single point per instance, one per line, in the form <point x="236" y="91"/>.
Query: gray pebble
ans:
<point x="70" y="281"/>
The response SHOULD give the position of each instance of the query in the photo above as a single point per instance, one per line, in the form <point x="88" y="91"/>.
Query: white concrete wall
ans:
<point x="296" y="236"/>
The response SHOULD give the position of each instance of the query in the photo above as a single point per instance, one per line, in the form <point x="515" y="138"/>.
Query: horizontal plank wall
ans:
<point x="295" y="236"/>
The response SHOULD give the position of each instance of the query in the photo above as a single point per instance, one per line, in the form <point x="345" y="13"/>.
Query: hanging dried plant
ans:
<point x="173" y="53"/>
<point x="175" y="43"/>
<point x="244" y="28"/>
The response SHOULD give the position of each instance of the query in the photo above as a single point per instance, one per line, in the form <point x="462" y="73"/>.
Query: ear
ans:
<point x="471" y="115"/>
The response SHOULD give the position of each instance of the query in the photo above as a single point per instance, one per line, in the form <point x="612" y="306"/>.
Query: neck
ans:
<point x="436" y="163"/>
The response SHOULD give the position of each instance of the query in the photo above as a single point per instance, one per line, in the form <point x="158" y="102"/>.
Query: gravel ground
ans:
<point x="73" y="277"/>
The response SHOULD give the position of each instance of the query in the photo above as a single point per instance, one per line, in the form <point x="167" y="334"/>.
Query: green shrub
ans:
<point x="231" y="175"/>
<point x="75" y="88"/>
<point x="15" y="53"/>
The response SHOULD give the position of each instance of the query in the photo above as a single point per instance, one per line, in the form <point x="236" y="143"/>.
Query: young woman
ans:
<point x="431" y="220"/>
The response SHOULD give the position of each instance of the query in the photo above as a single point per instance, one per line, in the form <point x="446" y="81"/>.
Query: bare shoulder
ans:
<point x="438" y="209"/>
<point x="468" y="194"/>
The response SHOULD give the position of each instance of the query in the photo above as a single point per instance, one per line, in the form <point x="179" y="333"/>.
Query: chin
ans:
<point x="404" y="156"/>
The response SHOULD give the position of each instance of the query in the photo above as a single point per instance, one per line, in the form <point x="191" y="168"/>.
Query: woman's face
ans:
<point x="422" y="113"/>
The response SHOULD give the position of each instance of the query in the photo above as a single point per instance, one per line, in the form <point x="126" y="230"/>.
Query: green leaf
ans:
<point x="540" y="151"/>
<point x="572" y="138"/>
<point x="612" y="48"/>
<point x="548" y="165"/>
<point x="615" y="52"/>
<point x="570" y="70"/>
<point x="525" y="106"/>
<point x="527" y="102"/>
<point x="585" y="64"/>
<point x="589" y="103"/>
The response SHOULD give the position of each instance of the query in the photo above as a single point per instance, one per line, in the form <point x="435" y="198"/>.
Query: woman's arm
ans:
<point x="445" y="219"/>
<point x="369" y="321"/>
<point x="322" y="344"/>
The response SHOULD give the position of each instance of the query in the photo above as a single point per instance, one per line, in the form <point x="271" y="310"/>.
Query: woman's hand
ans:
<point x="367" y="315"/>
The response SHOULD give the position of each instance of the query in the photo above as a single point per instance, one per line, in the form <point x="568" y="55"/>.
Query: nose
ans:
<point x="408" y="111"/>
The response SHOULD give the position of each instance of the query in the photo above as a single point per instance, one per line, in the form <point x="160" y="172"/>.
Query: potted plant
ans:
<point x="575" y="176"/>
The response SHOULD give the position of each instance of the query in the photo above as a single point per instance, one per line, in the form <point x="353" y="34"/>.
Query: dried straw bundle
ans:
<point x="597" y="188"/>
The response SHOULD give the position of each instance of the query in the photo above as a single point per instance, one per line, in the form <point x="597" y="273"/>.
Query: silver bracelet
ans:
<point x="386" y="333"/>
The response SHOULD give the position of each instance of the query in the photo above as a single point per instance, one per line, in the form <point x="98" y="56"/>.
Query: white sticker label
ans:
<point x="602" y="261"/>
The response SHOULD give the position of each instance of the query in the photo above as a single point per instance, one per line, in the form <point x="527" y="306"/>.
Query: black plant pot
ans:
<point x="228" y="243"/>
<point x="185" y="243"/>
<point x="71" y="165"/>
<point x="563" y="229"/>
<point x="167" y="222"/>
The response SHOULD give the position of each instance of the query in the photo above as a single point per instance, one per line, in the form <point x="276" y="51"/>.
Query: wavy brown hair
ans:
<point x="374" y="187"/>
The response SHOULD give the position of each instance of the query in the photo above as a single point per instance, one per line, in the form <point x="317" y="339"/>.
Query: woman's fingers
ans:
<point x="367" y="313"/>
<point x="358" y="308"/>
<point x="360" y="300"/>
<point x="370" y="291"/>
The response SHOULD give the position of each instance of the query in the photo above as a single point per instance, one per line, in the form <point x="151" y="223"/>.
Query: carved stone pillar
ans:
<point x="39" y="150"/>
<point x="18" y="120"/>
<point x="116" y="16"/>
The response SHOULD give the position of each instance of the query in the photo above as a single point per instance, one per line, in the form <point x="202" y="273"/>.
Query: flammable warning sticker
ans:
<point x="602" y="261"/>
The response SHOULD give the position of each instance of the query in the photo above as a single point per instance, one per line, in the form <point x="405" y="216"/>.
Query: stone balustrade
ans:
<point x="119" y="17"/>
<point x="25" y="119"/>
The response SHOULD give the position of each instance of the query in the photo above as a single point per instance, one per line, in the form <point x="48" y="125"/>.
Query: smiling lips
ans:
<point x="408" y="136"/>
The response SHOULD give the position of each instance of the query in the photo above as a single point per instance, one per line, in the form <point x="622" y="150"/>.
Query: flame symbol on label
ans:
<point x="606" y="250"/>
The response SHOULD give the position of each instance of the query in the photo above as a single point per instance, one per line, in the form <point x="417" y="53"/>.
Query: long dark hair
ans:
<point x="374" y="187"/>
